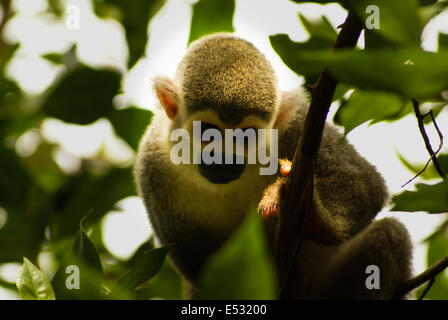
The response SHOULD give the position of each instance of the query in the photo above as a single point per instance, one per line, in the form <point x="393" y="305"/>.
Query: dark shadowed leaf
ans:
<point x="83" y="96"/>
<point x="408" y="73"/>
<point x="135" y="16"/>
<point x="56" y="7"/>
<point x="288" y="50"/>
<point x="85" y="249"/>
<point x="363" y="106"/>
<point x="428" y="12"/>
<point x="56" y="58"/>
<point x="210" y="16"/>
<point x="89" y="192"/>
<point x="5" y="54"/>
<point x="426" y="2"/>
<point x="242" y="269"/>
<point x="130" y="124"/>
<point x="26" y="206"/>
<point x="429" y="198"/>
<point x="84" y="257"/>
<point x="443" y="41"/>
<point x="33" y="284"/>
<point x="437" y="249"/>
<point x="319" y="28"/>
<point x="166" y="284"/>
<point x="373" y="40"/>
<point x="398" y="19"/>
<point x="143" y="270"/>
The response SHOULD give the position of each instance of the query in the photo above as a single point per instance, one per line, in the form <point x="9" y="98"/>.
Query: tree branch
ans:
<point x="296" y="205"/>
<point x="423" y="277"/>
<point x="433" y="156"/>
<point x="421" y="127"/>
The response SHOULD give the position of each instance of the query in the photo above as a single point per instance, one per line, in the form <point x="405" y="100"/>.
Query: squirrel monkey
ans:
<point x="226" y="83"/>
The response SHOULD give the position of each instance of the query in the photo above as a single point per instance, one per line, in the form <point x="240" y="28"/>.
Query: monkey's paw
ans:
<point x="269" y="206"/>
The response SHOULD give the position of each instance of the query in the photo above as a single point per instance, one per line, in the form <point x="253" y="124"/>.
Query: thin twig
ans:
<point x="423" y="277"/>
<point x="431" y="282"/>
<point x="433" y="156"/>
<point x="421" y="127"/>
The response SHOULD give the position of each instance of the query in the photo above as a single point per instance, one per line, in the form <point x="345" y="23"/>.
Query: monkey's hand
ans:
<point x="269" y="205"/>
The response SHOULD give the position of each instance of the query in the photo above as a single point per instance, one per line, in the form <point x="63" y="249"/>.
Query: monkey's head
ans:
<point x="225" y="83"/>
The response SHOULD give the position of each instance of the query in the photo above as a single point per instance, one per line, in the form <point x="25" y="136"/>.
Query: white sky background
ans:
<point x="101" y="42"/>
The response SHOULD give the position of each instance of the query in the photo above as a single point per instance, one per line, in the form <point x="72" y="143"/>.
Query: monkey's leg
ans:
<point x="368" y="266"/>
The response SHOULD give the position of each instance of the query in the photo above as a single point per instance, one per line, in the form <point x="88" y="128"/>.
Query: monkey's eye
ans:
<point x="207" y="125"/>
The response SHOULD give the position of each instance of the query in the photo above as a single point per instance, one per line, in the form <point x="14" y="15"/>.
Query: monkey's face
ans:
<point x="222" y="152"/>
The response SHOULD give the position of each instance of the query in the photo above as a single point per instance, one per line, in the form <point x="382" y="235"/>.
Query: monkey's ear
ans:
<point x="167" y="94"/>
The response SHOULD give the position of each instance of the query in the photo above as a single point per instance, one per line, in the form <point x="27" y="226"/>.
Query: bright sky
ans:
<point x="101" y="42"/>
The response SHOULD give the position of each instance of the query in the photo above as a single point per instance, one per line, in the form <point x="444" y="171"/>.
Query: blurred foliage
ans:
<point x="134" y="15"/>
<point x="47" y="208"/>
<point x="211" y="16"/>
<point x="243" y="268"/>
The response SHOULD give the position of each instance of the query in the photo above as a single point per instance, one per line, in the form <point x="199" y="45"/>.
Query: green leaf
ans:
<point x="398" y="19"/>
<point x="143" y="270"/>
<point x="426" y="13"/>
<point x="85" y="258"/>
<point x="85" y="249"/>
<point x="289" y="51"/>
<point x="426" y="2"/>
<point x="33" y="284"/>
<point x="81" y="194"/>
<point x="429" y="173"/>
<point x="429" y="198"/>
<point x="242" y="269"/>
<point x="367" y="105"/>
<point x="210" y="16"/>
<point x="6" y="54"/>
<point x="443" y="41"/>
<point x="166" y="284"/>
<point x="130" y="124"/>
<point x="319" y="28"/>
<point x="443" y="161"/>
<point x="375" y="41"/>
<point x="341" y="90"/>
<point x="410" y="73"/>
<point x="135" y="16"/>
<point x="56" y="58"/>
<point x="27" y="207"/>
<point x="437" y="249"/>
<point x="56" y="7"/>
<point x="83" y="96"/>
